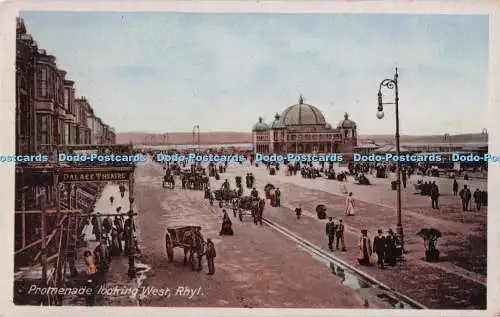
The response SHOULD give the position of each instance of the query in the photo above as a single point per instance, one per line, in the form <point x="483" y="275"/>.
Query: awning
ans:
<point x="86" y="196"/>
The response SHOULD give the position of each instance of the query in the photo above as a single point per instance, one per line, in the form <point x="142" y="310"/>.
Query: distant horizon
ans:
<point x="160" y="69"/>
<point x="213" y="138"/>
<point x="249" y="132"/>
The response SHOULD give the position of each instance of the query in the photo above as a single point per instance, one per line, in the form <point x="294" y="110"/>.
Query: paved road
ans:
<point x="255" y="268"/>
<point x="461" y="274"/>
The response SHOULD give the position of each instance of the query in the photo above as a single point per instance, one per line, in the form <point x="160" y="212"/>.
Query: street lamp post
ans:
<point x="196" y="130"/>
<point x="447" y="139"/>
<point x="131" y="242"/>
<point x="393" y="84"/>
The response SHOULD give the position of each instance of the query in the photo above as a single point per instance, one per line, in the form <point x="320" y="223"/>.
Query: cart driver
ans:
<point x="254" y="193"/>
<point x="225" y="185"/>
<point x="197" y="232"/>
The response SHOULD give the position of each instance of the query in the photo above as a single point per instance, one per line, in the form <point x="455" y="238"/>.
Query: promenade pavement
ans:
<point x="461" y="275"/>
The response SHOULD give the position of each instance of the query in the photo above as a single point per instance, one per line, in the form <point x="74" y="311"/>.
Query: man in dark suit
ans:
<point x="330" y="232"/>
<point x="434" y="192"/>
<point x="379" y="248"/>
<point x="465" y="196"/>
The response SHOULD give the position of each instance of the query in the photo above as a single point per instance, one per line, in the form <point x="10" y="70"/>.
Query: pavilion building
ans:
<point x="302" y="128"/>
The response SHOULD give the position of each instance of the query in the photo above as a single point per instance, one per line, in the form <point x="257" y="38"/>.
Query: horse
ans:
<point x="257" y="210"/>
<point x="193" y="244"/>
<point x="205" y="181"/>
<point x="227" y="195"/>
<point x="169" y="179"/>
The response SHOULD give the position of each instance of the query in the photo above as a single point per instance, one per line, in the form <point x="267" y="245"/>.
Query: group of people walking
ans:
<point x="466" y="196"/>
<point x="431" y="189"/>
<point x="109" y="234"/>
<point x="335" y="232"/>
<point x="385" y="248"/>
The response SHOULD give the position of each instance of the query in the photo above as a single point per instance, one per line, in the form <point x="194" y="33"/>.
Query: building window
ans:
<point x="42" y="82"/>
<point x="66" y="100"/>
<point x="50" y="84"/>
<point x="60" y="131"/>
<point x="43" y="125"/>
<point x="67" y="134"/>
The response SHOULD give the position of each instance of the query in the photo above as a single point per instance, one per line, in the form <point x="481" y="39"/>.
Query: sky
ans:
<point x="166" y="72"/>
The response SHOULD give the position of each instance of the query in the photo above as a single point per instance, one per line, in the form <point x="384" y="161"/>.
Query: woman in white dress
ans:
<point x="343" y="188"/>
<point x="349" y="205"/>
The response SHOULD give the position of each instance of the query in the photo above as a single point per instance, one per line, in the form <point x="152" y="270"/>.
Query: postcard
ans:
<point x="251" y="158"/>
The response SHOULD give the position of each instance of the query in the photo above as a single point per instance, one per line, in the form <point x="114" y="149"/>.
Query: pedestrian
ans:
<point x="455" y="187"/>
<point x="339" y="233"/>
<point x="210" y="254"/>
<point x="403" y="178"/>
<point x="106" y="226"/>
<point x="365" y="248"/>
<point x="211" y="198"/>
<point x="227" y="225"/>
<point x="122" y="190"/>
<point x="330" y="232"/>
<point x="391" y="252"/>
<point x="116" y="244"/>
<point x="379" y="246"/>
<point x="111" y="199"/>
<point x="100" y="262"/>
<point x="465" y="196"/>
<point x="298" y="211"/>
<point x="96" y="230"/>
<point x="91" y="272"/>
<point x="477" y="199"/>
<point x="277" y="194"/>
<point x="349" y="205"/>
<point x="434" y="193"/>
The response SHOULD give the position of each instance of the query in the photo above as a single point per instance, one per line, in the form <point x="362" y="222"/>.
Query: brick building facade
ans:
<point x="47" y="114"/>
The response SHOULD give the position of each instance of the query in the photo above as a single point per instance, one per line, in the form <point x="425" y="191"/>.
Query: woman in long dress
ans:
<point x="365" y="248"/>
<point x="227" y="225"/>
<point x="343" y="188"/>
<point x="349" y="205"/>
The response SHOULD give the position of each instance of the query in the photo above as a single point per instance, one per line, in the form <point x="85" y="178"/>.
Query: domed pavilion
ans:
<point x="302" y="128"/>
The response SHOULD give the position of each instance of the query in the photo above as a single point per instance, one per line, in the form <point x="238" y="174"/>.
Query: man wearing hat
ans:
<point x="390" y="251"/>
<point x="379" y="248"/>
<point x="210" y="254"/>
<point x="330" y="232"/>
<point x="339" y="233"/>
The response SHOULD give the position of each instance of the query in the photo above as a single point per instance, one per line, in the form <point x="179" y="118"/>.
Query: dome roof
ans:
<point x="346" y="123"/>
<point x="260" y="126"/>
<point x="277" y="123"/>
<point x="302" y="114"/>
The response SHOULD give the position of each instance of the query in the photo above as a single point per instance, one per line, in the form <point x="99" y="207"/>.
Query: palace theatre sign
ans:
<point x="94" y="175"/>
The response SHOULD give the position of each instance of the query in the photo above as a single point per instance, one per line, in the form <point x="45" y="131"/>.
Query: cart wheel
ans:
<point x="169" y="247"/>
<point x="240" y="215"/>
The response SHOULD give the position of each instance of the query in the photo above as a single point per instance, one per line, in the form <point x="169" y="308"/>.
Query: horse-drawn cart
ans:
<point x="190" y="239"/>
<point x="248" y="206"/>
<point x="225" y="196"/>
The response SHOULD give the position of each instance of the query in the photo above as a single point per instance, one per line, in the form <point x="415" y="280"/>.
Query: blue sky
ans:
<point x="165" y="72"/>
